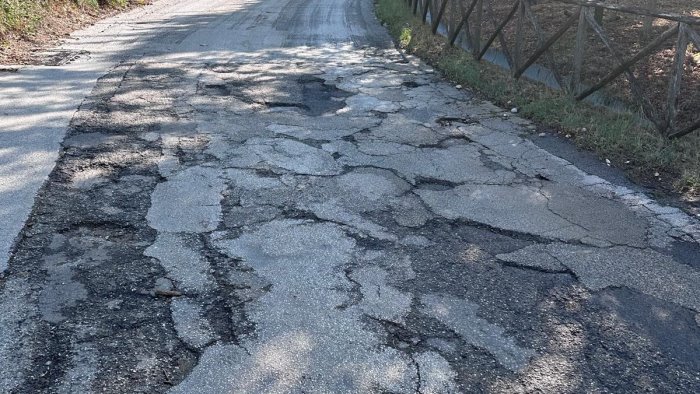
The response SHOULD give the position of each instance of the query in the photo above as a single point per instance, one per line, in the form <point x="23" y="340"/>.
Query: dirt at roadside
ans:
<point x="60" y="19"/>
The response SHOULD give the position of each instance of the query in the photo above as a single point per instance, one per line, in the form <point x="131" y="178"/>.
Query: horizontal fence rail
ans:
<point x="467" y="17"/>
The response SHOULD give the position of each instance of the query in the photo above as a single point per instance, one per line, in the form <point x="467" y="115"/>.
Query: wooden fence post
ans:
<point x="520" y="27"/>
<point x="463" y="22"/>
<point x="441" y="12"/>
<point x="541" y="41"/>
<point x="476" y="44"/>
<point x="648" y="26"/>
<point x="426" y="8"/>
<point x="505" y="48"/>
<point x="451" y="15"/>
<point x="599" y="12"/>
<point x="579" y="51"/>
<point x="623" y="66"/>
<point x="498" y="30"/>
<point x="676" y="79"/>
<point x="637" y="92"/>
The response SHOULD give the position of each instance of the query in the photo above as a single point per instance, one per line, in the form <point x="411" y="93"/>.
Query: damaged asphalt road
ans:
<point x="312" y="212"/>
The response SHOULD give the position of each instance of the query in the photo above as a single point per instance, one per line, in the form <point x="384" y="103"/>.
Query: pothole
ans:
<point x="217" y="89"/>
<point x="320" y="98"/>
<point x="434" y="184"/>
<point x="305" y="93"/>
<point x="450" y="120"/>
<point x="411" y="84"/>
<point x="58" y="57"/>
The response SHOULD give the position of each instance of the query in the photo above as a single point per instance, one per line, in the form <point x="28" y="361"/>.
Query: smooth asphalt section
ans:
<point x="266" y="197"/>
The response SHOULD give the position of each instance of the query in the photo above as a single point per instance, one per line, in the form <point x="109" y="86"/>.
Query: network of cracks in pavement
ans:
<point x="345" y="224"/>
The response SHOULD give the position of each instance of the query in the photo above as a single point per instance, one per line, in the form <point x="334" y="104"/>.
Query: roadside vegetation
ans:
<point x="669" y="167"/>
<point x="29" y="24"/>
<point x="25" y="16"/>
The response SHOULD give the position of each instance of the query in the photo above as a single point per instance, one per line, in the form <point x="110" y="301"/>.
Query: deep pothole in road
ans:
<point x="306" y="93"/>
<point x="321" y="98"/>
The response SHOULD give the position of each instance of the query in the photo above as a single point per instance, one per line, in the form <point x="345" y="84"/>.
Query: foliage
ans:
<point x="24" y="16"/>
<point x="19" y="15"/>
<point x="113" y="3"/>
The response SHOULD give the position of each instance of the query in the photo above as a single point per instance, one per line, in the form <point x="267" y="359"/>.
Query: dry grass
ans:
<point x="26" y="26"/>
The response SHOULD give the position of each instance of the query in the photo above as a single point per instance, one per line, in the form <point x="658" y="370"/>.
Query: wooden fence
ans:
<point x="585" y="16"/>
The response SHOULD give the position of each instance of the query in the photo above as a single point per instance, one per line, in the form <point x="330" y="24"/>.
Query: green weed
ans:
<point x="20" y="15"/>
<point x="24" y="16"/>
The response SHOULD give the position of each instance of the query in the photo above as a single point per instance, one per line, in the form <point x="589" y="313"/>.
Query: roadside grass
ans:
<point x="19" y="15"/>
<point x="649" y="158"/>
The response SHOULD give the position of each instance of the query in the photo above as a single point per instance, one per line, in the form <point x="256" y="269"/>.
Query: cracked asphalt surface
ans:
<point x="282" y="202"/>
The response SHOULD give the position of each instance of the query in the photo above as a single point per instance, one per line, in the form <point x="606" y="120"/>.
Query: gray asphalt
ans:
<point x="266" y="197"/>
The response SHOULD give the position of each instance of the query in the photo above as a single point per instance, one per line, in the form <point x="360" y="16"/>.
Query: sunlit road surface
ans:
<point x="266" y="197"/>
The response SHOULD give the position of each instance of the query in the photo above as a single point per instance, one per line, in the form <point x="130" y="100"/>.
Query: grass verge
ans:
<point x="28" y="26"/>
<point x="19" y="15"/>
<point x="23" y="17"/>
<point x="647" y="157"/>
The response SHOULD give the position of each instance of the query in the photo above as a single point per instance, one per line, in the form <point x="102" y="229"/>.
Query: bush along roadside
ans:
<point x="667" y="167"/>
